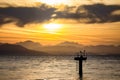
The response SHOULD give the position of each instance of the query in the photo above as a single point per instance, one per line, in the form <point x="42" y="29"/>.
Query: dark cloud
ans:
<point x="97" y="13"/>
<point x="25" y="15"/>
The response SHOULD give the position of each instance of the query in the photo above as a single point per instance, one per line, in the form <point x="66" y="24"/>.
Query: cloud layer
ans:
<point x="96" y="13"/>
<point x="25" y="15"/>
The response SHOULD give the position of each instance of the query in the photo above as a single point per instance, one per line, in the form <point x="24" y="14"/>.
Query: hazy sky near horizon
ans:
<point x="88" y="22"/>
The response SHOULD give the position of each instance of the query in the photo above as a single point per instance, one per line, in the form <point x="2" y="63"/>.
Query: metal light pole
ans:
<point x="80" y="57"/>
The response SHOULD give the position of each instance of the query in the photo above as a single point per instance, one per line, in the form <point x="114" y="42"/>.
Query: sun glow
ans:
<point x="53" y="2"/>
<point x="51" y="28"/>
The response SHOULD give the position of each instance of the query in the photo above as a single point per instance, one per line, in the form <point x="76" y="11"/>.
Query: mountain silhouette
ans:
<point x="71" y="48"/>
<point x="17" y="50"/>
<point x="69" y="44"/>
<point x="30" y="44"/>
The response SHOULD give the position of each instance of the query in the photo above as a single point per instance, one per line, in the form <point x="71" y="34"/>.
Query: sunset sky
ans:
<point x="88" y="22"/>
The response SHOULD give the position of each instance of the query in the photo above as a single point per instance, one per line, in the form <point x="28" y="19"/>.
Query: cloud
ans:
<point x="25" y="15"/>
<point x="4" y="5"/>
<point x="96" y="13"/>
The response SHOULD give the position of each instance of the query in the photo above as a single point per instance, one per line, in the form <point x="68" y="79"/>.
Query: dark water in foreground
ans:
<point x="59" y="68"/>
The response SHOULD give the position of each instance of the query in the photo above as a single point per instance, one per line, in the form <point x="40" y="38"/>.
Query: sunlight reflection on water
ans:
<point x="58" y="68"/>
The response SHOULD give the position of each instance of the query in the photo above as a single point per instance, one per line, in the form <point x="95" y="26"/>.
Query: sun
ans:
<point x="52" y="27"/>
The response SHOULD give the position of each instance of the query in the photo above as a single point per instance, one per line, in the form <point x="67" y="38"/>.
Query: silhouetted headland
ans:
<point x="17" y="50"/>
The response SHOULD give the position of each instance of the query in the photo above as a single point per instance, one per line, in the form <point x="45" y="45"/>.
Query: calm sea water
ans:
<point x="58" y="68"/>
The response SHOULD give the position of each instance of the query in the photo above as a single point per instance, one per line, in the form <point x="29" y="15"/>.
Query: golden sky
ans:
<point x="88" y="22"/>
